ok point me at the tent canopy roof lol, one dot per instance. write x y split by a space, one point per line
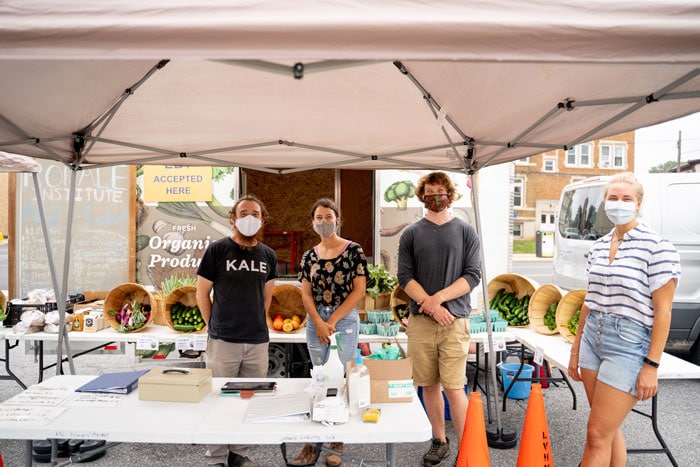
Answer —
401 84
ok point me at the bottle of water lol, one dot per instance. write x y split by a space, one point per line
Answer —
359 386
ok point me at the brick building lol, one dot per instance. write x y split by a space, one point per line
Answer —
538 180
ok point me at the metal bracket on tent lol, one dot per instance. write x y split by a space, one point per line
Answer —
298 70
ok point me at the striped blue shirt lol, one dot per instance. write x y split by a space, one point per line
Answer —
644 262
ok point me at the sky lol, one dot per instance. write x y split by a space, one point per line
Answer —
658 144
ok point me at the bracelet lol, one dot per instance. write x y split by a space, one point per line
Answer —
650 362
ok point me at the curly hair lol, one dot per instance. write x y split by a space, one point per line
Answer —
436 178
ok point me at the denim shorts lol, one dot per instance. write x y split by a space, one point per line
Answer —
614 347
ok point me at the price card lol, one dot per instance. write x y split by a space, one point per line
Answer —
191 342
147 343
499 345
539 356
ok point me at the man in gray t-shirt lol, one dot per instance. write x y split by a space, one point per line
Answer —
439 265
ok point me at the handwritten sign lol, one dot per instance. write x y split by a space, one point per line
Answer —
99 251
29 415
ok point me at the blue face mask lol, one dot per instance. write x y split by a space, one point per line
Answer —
621 212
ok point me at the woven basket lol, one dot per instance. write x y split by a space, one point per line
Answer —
399 298
3 303
128 292
158 309
521 285
187 295
543 297
568 305
286 301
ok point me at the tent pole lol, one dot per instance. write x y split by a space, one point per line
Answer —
60 298
498 436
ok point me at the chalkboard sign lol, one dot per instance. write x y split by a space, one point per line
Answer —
99 251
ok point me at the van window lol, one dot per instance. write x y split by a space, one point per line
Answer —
582 214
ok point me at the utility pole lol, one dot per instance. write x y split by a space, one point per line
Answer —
678 144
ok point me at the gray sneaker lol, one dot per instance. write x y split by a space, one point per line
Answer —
236 460
437 453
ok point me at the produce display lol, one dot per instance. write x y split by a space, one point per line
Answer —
280 323
511 308
550 317
186 318
133 315
572 324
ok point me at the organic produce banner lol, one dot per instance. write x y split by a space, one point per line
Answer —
100 242
171 236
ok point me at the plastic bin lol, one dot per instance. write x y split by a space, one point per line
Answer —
444 398
520 389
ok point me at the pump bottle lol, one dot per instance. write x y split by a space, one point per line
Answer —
333 369
358 386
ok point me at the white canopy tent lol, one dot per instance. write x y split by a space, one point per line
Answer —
288 86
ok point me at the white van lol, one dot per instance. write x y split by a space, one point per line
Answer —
671 207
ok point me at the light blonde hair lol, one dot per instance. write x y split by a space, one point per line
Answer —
629 178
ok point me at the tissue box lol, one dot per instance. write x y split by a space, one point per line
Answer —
390 380
169 384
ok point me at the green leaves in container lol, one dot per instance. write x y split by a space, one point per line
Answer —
550 317
379 280
572 324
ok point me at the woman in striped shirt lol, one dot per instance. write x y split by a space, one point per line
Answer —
624 322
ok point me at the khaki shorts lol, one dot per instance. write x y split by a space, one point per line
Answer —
439 353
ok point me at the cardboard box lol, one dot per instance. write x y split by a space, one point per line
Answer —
170 384
390 380
92 305
91 295
94 322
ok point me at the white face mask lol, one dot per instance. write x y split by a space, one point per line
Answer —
248 226
325 229
621 212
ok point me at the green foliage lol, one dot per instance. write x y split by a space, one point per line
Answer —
668 166
175 281
379 280
524 246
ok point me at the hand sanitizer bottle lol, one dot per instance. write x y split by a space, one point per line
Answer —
358 386
333 369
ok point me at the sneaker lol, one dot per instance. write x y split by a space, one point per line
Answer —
307 456
236 460
334 460
437 453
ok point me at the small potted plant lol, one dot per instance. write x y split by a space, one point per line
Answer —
380 284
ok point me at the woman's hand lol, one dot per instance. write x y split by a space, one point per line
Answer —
324 331
573 367
647 382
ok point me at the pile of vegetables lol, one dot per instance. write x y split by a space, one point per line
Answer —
572 324
399 192
132 316
510 308
550 317
186 318
175 281
379 280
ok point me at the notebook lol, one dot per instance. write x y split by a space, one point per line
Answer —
114 383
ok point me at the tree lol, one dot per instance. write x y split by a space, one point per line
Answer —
668 166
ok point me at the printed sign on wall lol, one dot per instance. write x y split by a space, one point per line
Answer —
176 183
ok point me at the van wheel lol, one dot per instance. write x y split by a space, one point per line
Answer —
300 361
695 353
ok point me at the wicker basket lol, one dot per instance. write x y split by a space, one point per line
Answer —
3 303
286 301
568 305
128 292
539 303
399 298
158 309
187 295
521 285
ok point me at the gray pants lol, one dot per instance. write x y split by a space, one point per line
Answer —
229 360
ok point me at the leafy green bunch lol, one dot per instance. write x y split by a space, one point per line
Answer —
379 280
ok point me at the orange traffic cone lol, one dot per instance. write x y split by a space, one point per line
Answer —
535 445
473 448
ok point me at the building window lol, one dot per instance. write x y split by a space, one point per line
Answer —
518 192
613 155
523 161
549 164
579 156
518 229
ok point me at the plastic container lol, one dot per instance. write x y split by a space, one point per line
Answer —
519 389
358 386
333 369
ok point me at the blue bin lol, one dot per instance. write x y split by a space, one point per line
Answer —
444 397
520 389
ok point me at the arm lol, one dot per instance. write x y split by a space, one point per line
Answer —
267 294
662 300
575 346
204 287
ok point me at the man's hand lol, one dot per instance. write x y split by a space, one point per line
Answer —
430 305
443 316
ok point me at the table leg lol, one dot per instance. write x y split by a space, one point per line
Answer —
655 426
390 454
10 375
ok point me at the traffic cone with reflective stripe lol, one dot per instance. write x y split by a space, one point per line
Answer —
473 448
535 445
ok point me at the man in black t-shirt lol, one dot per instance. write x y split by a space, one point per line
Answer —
241 271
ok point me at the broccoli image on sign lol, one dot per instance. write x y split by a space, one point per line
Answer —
399 192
